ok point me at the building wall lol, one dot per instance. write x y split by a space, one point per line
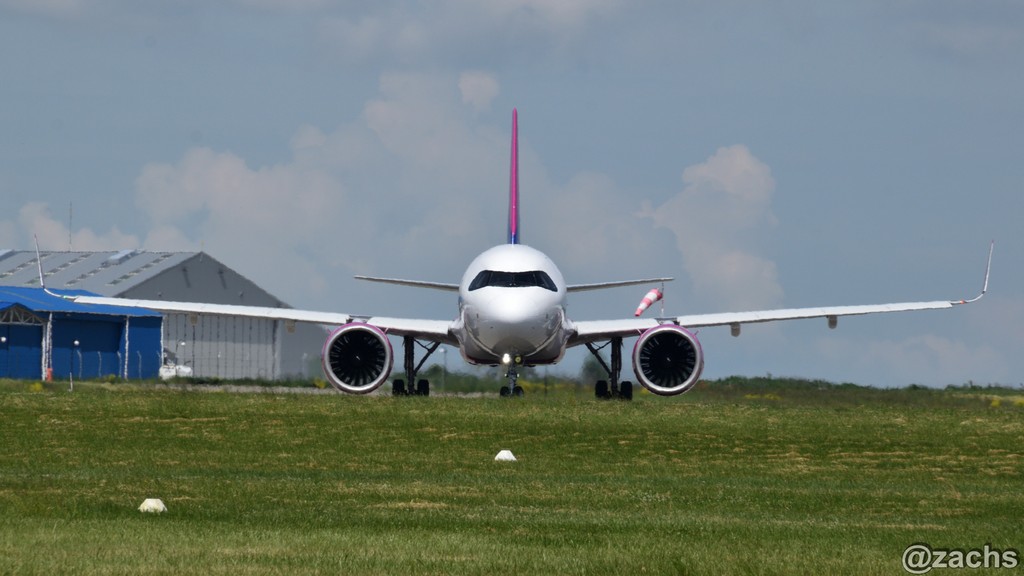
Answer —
202 278
21 356
229 347
107 346
39 331
144 353
223 348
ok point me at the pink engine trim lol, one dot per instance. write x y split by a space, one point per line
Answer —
663 390
356 389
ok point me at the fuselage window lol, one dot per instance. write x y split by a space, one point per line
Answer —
536 278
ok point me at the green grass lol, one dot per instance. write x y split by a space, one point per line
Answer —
739 477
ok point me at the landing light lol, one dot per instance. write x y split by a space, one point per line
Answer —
506 359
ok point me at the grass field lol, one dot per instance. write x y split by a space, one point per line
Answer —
744 477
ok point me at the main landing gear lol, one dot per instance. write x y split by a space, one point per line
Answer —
422 388
611 388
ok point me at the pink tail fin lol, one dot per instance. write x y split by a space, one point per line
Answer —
513 183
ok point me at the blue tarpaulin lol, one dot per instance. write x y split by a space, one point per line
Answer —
87 341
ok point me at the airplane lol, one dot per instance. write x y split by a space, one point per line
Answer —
512 312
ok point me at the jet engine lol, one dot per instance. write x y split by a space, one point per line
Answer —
667 360
357 358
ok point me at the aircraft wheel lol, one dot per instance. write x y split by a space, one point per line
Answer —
626 390
601 389
505 391
518 391
423 388
398 387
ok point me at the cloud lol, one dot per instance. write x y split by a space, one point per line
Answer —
396 35
248 216
52 8
977 40
589 227
289 5
717 219
977 33
478 89
565 14
165 237
352 40
8 234
999 316
414 186
308 137
384 194
417 175
921 359
34 219
414 118
223 188
459 30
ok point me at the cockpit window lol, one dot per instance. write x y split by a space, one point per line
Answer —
536 278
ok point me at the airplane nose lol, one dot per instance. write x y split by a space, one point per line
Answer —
510 315
514 324
515 308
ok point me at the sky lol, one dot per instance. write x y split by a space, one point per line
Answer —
765 155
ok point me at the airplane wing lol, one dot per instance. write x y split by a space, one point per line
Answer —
414 283
601 285
433 330
592 331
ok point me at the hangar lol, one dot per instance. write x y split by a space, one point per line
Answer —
215 347
42 334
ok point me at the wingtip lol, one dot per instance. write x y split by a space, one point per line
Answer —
988 269
988 266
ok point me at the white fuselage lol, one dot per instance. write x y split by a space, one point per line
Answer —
512 308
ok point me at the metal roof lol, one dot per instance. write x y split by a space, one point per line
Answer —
103 273
37 300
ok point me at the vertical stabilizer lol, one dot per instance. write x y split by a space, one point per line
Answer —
513 184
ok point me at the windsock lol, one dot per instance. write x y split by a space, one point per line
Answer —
653 296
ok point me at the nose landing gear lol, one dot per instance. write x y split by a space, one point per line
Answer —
512 375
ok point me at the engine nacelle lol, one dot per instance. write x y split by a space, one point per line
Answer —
357 358
667 360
